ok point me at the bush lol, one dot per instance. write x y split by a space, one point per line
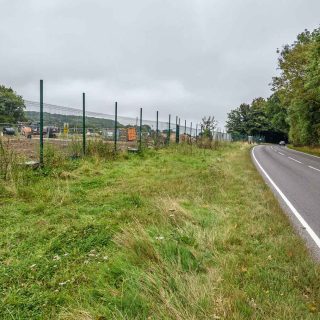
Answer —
208 143
100 148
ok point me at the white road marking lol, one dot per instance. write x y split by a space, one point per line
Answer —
312 234
282 153
314 168
294 160
308 154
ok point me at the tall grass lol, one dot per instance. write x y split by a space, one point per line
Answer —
7 160
181 233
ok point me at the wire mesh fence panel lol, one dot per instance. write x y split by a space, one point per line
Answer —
65 129
163 133
15 138
18 137
128 133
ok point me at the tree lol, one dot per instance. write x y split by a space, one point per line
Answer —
260 118
277 114
11 106
297 86
207 126
294 108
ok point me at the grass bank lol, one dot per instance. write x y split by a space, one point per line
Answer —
307 149
181 233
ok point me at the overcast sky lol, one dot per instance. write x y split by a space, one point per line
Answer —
185 57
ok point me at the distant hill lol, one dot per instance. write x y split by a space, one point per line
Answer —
58 120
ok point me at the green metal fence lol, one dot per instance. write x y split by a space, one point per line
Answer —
77 131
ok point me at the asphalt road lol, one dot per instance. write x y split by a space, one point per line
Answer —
294 177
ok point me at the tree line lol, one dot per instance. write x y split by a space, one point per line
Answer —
292 112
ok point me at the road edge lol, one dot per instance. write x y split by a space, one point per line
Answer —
308 154
301 226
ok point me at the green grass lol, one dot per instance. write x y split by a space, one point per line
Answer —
307 149
181 233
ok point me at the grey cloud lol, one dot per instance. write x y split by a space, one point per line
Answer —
186 57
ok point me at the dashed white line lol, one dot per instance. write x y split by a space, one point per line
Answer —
282 153
314 168
312 234
294 160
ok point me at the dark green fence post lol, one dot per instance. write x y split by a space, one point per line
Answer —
191 132
140 133
177 130
115 125
169 129
84 123
41 122
196 132
157 129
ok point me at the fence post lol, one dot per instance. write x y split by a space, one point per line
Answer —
140 131
115 125
185 127
157 129
177 130
196 132
169 131
41 122
84 123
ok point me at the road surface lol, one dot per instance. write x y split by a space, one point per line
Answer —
294 177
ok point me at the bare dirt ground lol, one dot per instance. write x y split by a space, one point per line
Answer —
29 148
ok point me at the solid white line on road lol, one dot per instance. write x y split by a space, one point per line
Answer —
294 160
312 234
308 154
314 168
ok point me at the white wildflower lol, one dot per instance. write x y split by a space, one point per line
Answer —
63 283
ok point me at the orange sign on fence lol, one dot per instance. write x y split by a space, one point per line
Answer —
132 134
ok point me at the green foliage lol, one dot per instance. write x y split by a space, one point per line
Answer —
11 106
298 87
294 107
277 114
207 126
261 117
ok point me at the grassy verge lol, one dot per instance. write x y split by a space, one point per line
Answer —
307 149
182 233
